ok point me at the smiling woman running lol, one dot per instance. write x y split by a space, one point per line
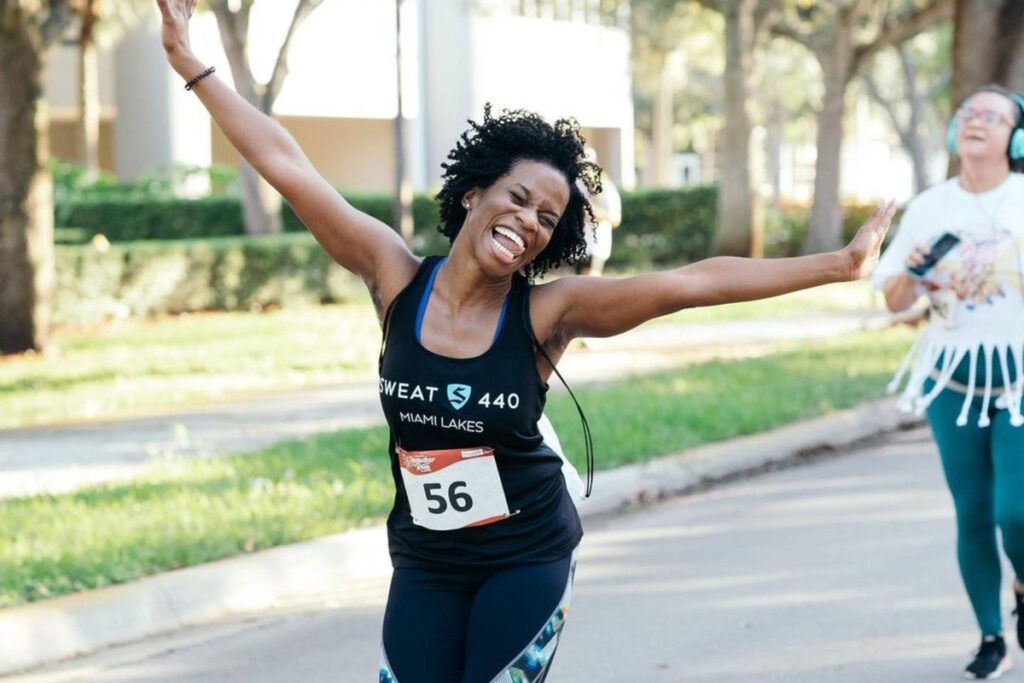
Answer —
483 531
966 371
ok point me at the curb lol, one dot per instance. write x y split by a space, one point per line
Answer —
673 475
65 627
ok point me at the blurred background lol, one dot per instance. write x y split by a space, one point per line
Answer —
746 127
145 271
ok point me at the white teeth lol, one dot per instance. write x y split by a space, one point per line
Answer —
501 248
502 230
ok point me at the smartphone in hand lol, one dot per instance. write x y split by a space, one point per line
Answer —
939 248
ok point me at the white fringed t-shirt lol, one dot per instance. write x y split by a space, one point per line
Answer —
976 293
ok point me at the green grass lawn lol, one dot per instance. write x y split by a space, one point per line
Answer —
134 366
196 511
138 366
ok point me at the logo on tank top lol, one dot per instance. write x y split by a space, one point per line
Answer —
458 395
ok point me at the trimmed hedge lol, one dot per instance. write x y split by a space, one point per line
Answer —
661 226
121 219
665 227
150 277
137 279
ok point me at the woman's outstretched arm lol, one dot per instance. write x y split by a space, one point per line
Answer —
355 240
601 307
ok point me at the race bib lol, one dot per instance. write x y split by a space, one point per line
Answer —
454 488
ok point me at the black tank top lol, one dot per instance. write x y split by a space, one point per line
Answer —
493 400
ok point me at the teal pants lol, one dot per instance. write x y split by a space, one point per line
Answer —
984 468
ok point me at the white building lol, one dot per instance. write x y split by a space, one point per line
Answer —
340 98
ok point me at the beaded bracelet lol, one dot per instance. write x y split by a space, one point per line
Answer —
191 84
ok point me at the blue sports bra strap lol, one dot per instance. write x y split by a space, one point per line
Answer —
425 296
588 441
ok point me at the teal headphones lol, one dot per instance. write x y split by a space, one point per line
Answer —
1015 150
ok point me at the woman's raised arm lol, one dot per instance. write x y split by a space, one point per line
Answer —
601 307
355 240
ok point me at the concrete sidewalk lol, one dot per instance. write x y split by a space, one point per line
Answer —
56 629
56 459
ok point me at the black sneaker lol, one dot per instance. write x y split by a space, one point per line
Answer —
990 661
1019 611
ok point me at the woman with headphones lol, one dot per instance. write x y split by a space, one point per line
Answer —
961 244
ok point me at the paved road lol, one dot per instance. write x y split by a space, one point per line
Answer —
56 459
840 571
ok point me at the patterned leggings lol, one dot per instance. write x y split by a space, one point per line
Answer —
497 626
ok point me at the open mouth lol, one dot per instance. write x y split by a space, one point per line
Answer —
507 242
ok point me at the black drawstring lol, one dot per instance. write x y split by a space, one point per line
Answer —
588 441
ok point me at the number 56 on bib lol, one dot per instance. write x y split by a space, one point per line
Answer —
454 488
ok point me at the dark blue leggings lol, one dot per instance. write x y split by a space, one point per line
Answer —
475 626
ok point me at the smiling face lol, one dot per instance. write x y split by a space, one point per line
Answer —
982 140
510 222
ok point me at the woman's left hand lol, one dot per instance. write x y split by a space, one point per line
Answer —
863 250
175 16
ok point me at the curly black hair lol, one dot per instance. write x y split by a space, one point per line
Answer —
488 150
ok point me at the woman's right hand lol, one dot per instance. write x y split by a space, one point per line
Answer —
901 290
175 15
916 255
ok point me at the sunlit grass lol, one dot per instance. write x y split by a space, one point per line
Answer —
137 366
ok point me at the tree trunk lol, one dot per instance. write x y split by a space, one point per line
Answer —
909 132
911 135
88 90
734 234
976 25
995 23
660 157
1009 49
915 148
773 152
1012 26
824 230
26 196
261 204
402 207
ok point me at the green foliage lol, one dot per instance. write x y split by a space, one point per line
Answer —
228 274
132 365
664 227
786 226
190 513
659 227
665 412
74 183
694 67
151 218
150 209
